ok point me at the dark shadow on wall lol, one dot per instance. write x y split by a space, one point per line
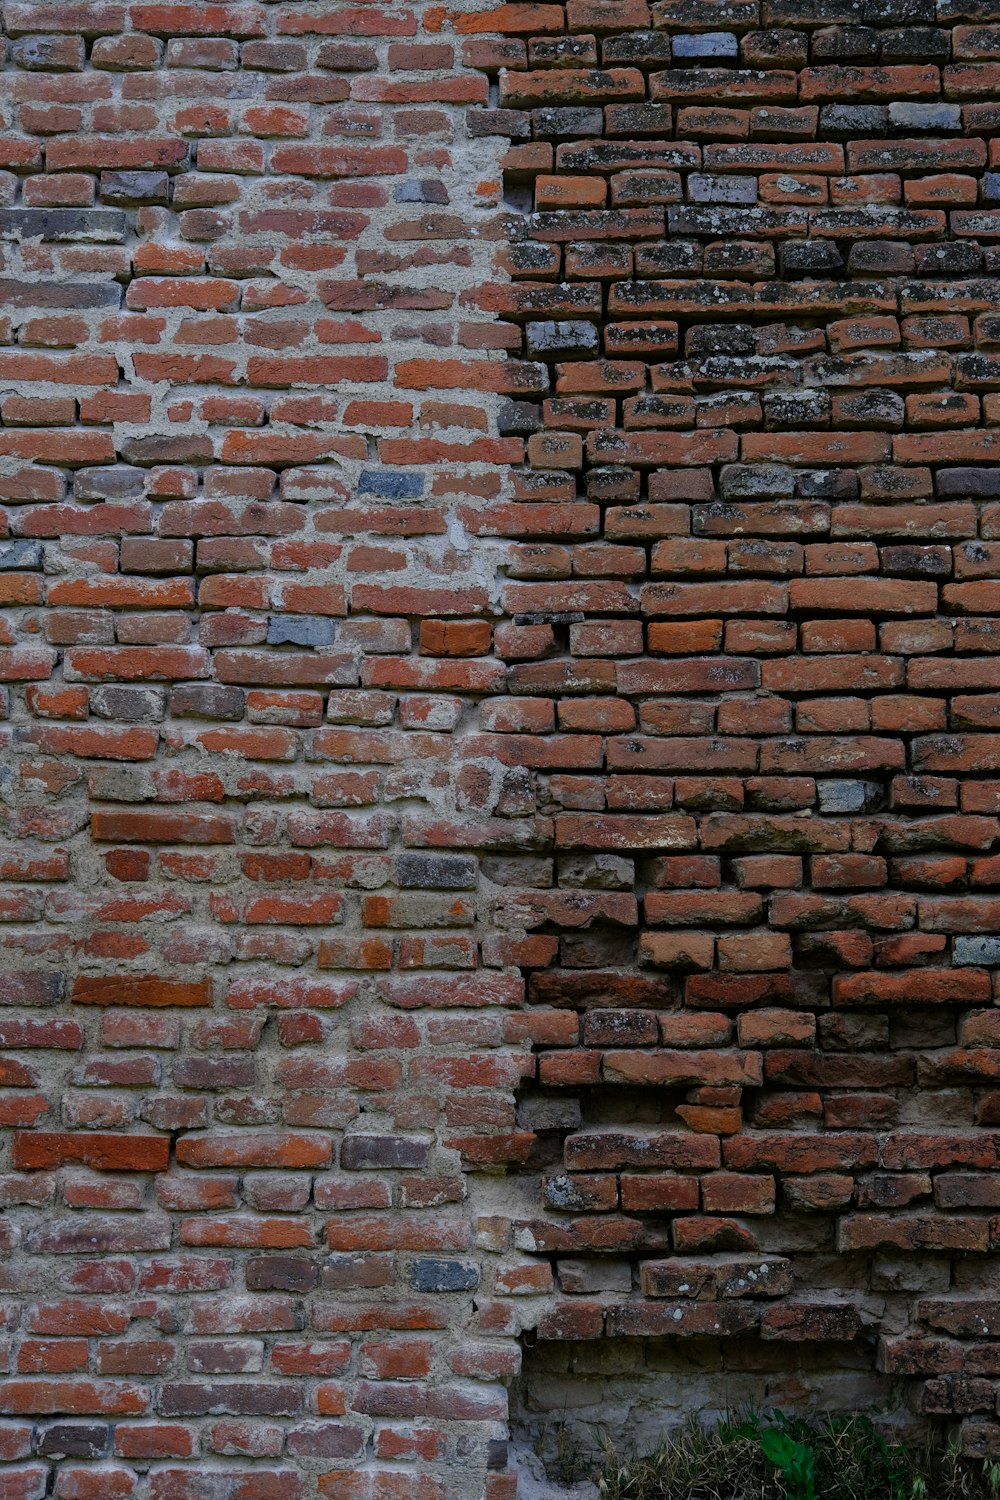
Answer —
739 596
574 1404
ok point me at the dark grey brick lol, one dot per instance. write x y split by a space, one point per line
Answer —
848 796
347 57
426 190
73 294
916 44
158 448
810 256
881 258
873 408
706 44
518 418
977 950
199 1398
113 482
827 484
101 225
704 187
981 483
565 1195
20 554
433 1275
569 121
845 44
853 120
514 123
39 987
360 1151
281 1273
496 1453
962 258
135 187
556 340
325 1440
454 872
753 481
391 484
812 12
134 705
933 117
635 48
206 700
905 12
39 54
300 630
809 407
915 561
73 1440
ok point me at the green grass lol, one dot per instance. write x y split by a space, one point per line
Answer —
784 1458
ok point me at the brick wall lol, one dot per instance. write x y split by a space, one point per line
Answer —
499 582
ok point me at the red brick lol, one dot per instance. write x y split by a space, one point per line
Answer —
650 748
105 1153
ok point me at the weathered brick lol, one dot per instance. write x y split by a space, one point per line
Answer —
534 702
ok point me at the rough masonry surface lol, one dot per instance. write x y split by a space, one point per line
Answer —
499 539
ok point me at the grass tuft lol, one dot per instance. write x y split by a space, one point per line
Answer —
775 1457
